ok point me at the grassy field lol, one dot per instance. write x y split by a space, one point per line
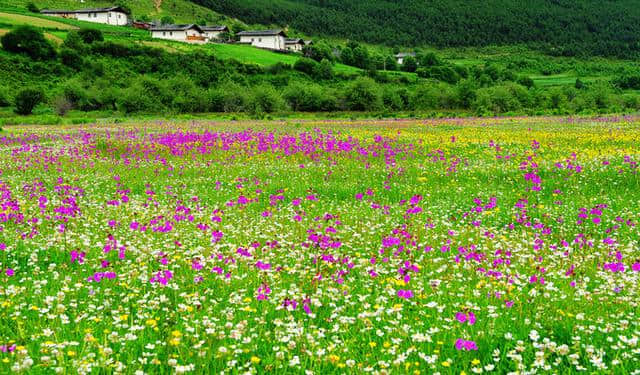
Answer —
333 246
37 21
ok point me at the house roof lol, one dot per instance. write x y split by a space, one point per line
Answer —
214 28
87 10
293 41
262 33
176 27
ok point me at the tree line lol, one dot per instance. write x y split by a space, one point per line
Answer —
559 27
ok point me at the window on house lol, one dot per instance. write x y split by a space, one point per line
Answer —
164 33
252 39
259 39
171 33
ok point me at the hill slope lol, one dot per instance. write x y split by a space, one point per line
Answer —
180 10
562 27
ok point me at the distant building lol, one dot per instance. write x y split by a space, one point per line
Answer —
181 33
294 45
213 32
403 55
110 16
271 39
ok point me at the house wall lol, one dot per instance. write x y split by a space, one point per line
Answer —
268 41
180 35
109 18
294 47
212 34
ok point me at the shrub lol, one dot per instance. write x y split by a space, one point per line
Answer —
323 70
363 95
27 99
526 82
167 20
62 105
433 96
392 100
89 35
409 64
71 58
265 99
73 41
30 41
305 65
309 98
31 7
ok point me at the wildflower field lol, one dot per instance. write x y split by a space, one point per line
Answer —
438 246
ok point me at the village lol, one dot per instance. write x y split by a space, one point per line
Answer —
273 39
276 40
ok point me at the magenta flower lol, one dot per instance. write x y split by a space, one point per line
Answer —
466 345
10 272
406 294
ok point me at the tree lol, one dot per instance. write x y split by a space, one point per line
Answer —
363 95
89 35
167 20
409 64
323 70
390 63
27 99
30 41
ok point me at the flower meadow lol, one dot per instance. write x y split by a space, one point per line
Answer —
408 246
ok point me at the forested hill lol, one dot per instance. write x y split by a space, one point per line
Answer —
561 27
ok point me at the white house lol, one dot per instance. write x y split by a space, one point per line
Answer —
181 33
294 45
213 32
271 39
403 55
110 16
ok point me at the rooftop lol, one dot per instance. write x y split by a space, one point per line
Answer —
87 10
262 33
176 27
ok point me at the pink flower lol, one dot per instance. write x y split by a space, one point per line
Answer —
636 267
10 272
465 345
406 294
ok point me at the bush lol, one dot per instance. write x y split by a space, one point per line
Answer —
62 105
409 64
309 98
323 70
526 82
30 41
433 96
89 35
73 41
363 95
31 7
265 99
500 99
167 20
305 65
71 58
27 99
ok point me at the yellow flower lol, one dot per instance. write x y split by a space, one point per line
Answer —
174 341
71 353
123 317
333 358
475 362
151 322
386 344
446 364
176 333
255 360
373 344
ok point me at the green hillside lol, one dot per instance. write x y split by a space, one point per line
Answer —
180 10
559 27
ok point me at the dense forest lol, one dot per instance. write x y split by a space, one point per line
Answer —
558 27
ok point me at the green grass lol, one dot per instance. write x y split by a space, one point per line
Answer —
51 312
